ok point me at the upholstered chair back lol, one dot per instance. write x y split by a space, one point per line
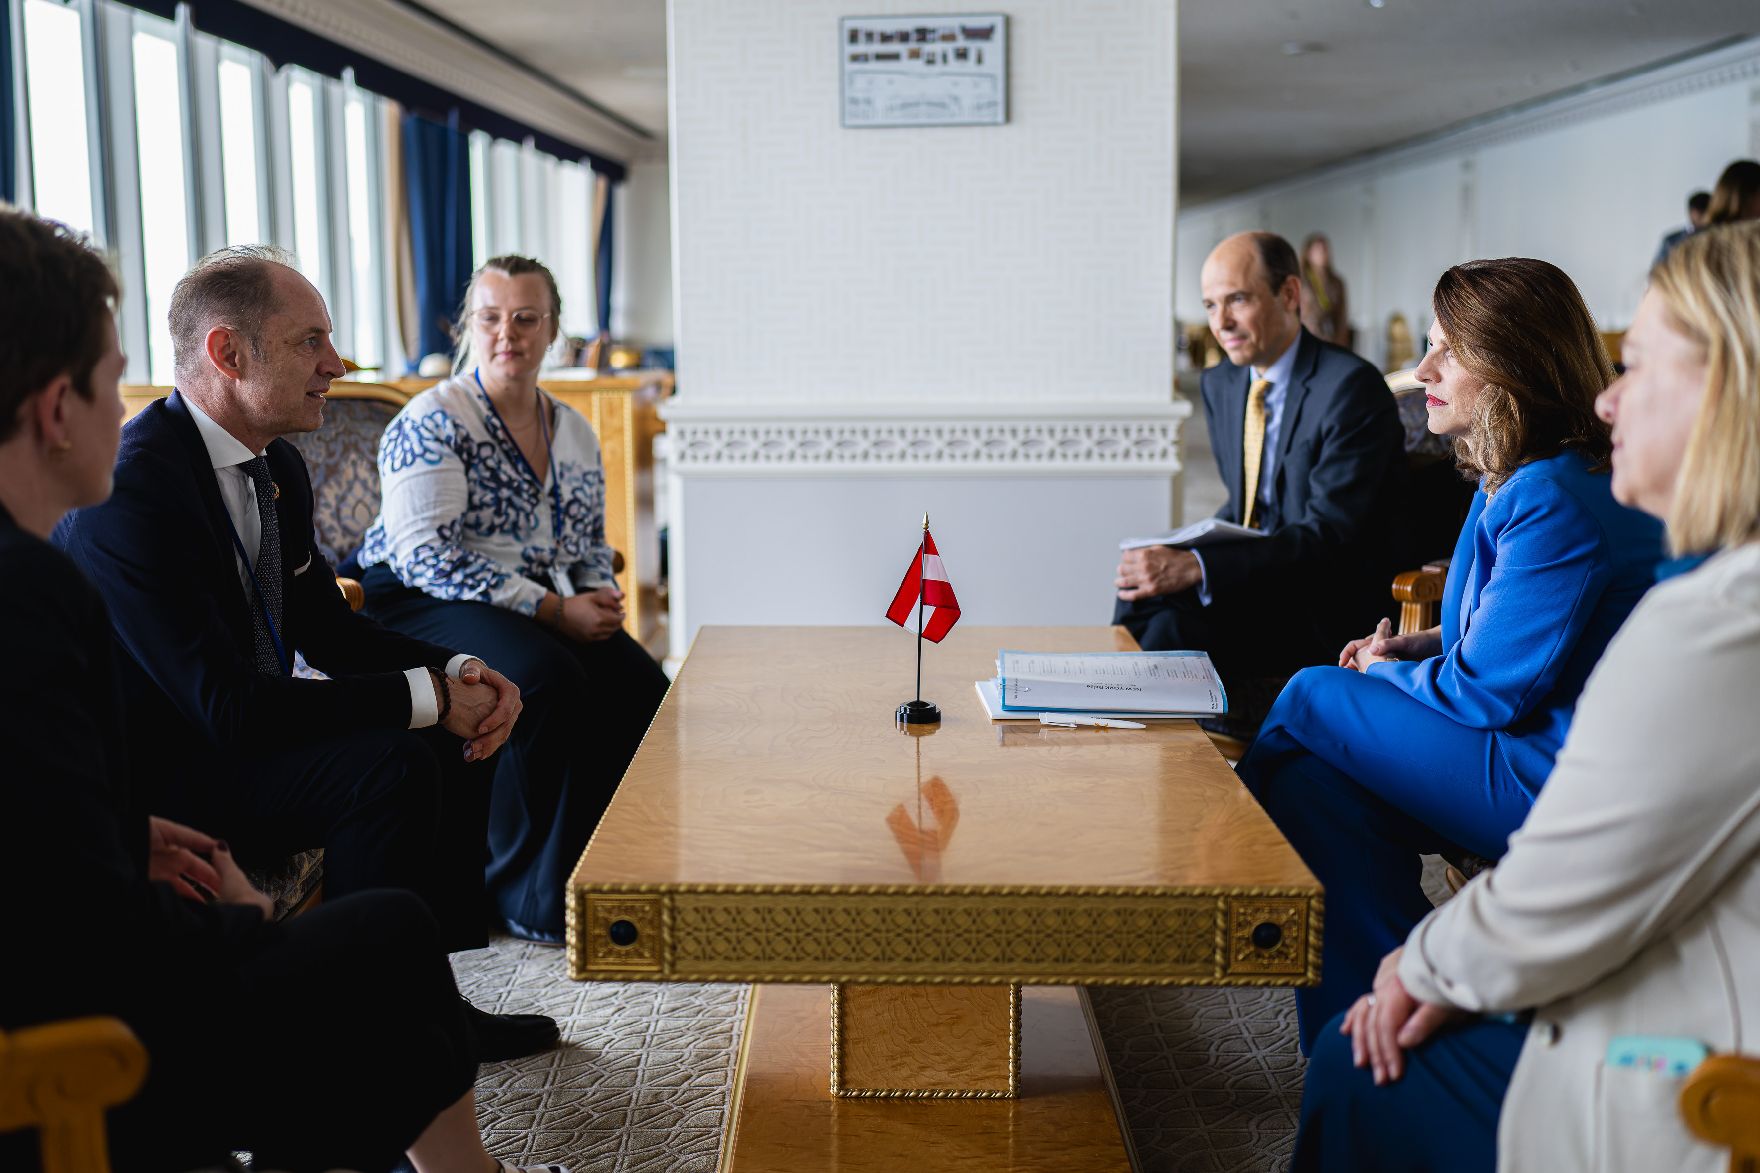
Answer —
343 458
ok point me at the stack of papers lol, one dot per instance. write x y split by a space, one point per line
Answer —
1209 532
1136 685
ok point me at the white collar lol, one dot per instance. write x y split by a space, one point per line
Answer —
1277 374
224 449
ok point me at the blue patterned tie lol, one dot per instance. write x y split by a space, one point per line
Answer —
268 569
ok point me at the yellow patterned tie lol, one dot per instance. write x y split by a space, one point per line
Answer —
1253 447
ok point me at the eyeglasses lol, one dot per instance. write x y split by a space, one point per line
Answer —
522 319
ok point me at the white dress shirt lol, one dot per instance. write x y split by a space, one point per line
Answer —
237 492
1277 374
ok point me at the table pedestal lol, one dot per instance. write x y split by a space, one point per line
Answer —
925 1042
785 1118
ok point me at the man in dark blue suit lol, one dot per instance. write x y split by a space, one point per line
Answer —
206 558
1309 445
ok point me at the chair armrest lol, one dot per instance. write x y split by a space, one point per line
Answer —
352 591
1419 595
617 562
1720 1103
59 1078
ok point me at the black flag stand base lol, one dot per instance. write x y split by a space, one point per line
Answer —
919 712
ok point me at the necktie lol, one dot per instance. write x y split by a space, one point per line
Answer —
268 569
1253 447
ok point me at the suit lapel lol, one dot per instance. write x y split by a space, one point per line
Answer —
219 525
1232 432
1307 357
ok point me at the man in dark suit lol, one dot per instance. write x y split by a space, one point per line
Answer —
1309 445
206 558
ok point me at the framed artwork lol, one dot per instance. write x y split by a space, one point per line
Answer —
924 70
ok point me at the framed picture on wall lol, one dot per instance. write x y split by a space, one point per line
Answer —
924 70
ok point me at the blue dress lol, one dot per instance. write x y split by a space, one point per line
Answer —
1362 772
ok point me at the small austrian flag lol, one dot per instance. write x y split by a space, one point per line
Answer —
927 580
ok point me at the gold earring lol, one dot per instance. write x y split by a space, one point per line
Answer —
61 448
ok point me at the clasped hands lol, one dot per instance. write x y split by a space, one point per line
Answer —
1157 570
1387 1023
1381 645
485 704
198 866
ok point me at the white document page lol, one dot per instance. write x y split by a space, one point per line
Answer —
1208 532
990 696
1126 682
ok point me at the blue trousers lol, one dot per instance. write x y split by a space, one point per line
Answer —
1440 1116
586 709
1362 779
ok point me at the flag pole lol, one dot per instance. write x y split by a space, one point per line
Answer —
922 590
919 711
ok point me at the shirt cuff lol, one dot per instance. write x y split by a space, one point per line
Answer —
1203 580
423 710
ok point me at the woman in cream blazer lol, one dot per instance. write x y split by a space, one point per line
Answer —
1628 906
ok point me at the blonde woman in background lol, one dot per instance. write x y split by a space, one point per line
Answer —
1324 309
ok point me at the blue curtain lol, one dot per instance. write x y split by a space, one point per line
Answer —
8 127
437 176
602 263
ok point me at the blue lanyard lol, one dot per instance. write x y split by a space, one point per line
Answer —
257 589
549 460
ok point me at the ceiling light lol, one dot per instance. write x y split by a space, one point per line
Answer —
1302 48
1377 3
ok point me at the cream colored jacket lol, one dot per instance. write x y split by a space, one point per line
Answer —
1629 902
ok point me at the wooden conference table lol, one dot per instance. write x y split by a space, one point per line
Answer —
916 908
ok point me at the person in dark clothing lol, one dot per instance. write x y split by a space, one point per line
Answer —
337 1039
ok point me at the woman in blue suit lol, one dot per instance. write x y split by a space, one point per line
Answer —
1442 738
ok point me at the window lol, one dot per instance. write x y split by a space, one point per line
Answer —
303 121
163 142
364 238
55 90
159 123
239 167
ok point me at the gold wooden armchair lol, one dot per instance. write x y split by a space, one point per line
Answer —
59 1078
1720 1103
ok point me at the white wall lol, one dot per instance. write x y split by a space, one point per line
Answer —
641 294
1590 182
972 321
1025 261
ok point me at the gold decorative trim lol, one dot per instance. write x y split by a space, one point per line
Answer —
643 952
730 1126
1267 936
870 1093
957 936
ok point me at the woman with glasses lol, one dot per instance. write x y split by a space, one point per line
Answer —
492 530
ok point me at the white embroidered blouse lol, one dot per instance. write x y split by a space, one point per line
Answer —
464 517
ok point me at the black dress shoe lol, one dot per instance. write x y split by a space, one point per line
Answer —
509 1036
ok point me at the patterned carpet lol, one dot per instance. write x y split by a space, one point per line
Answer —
1210 1079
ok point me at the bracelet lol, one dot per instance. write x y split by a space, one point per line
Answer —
555 611
442 686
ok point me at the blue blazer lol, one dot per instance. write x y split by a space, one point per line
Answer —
1544 573
160 553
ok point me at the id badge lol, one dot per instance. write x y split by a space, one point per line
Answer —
1657 1054
559 582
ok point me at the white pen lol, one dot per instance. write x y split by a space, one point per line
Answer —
1071 720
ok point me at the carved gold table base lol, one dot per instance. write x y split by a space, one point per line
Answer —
925 1042
785 1118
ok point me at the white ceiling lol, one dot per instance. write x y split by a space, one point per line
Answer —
1249 113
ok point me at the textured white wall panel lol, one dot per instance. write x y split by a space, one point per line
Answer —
1025 262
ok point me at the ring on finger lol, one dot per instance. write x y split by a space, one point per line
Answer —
1370 999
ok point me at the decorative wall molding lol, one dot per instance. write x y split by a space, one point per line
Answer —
1720 67
401 38
1134 439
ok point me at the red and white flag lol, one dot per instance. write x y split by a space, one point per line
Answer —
928 578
